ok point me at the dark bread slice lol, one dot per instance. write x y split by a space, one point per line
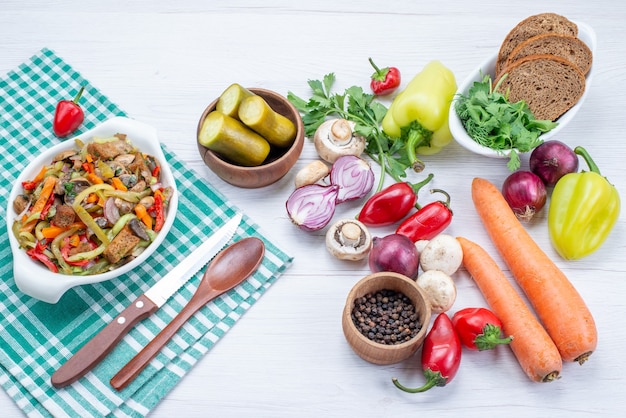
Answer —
565 46
550 85
533 26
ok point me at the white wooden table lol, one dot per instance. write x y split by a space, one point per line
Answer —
164 61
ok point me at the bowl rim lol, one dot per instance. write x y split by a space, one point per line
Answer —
36 280
260 91
349 306
585 33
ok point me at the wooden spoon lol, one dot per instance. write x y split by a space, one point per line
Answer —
229 268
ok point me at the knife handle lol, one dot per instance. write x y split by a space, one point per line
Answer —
132 369
102 343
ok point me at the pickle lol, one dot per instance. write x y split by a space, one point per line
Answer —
256 114
232 140
228 102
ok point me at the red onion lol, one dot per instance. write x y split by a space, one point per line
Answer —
525 193
111 211
552 160
353 175
311 207
395 253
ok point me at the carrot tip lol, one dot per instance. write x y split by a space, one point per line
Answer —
583 357
552 376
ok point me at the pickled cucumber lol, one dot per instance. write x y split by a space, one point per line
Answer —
229 100
232 140
256 114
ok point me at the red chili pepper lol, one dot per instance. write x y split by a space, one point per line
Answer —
391 204
156 171
68 116
441 355
429 221
65 251
159 211
479 328
37 253
384 81
30 185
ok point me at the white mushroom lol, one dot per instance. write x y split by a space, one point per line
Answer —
312 173
440 289
421 244
336 137
442 253
348 239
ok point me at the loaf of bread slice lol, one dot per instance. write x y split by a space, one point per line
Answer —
565 46
550 85
533 26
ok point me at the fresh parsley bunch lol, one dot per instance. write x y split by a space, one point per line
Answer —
359 107
492 121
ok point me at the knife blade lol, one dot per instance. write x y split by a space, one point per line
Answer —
101 344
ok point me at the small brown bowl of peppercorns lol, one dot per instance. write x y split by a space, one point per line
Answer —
386 317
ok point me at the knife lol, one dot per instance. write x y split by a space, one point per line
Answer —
107 338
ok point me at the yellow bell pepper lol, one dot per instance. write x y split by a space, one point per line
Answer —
419 113
583 210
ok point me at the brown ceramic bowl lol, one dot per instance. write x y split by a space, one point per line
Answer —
277 164
375 352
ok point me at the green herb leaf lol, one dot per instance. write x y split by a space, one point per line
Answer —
359 107
492 121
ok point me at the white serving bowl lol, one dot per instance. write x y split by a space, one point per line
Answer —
32 277
585 34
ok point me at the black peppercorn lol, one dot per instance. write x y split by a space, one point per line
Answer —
386 317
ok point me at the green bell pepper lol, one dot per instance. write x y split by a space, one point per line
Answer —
419 113
583 210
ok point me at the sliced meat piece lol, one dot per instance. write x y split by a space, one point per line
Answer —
20 203
121 245
64 216
109 150
82 247
140 167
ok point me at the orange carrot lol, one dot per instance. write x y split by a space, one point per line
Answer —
74 240
52 231
39 177
94 179
556 301
142 214
117 183
92 198
40 203
534 349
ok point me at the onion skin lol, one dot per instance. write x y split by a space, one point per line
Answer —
525 193
552 160
395 253
311 207
353 175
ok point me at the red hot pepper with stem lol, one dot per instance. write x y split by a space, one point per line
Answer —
441 355
384 81
68 116
429 221
479 328
391 204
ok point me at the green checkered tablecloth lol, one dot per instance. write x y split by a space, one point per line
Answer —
37 337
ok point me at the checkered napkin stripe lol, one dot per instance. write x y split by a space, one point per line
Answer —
38 337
